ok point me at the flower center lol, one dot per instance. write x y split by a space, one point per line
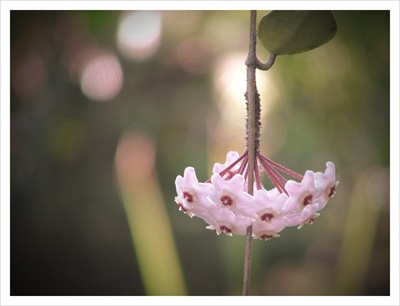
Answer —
188 197
307 200
309 220
267 217
265 236
226 200
332 191
224 229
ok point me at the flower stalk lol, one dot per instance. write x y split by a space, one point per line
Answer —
253 133
253 127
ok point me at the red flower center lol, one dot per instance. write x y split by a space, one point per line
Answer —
226 200
307 200
188 197
225 229
332 191
267 217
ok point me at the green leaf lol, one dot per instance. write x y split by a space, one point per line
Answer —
290 32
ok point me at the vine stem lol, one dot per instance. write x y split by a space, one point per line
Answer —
251 141
253 131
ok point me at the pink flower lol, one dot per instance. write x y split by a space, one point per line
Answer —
301 194
265 206
224 220
326 184
229 193
302 204
223 203
270 218
303 217
192 196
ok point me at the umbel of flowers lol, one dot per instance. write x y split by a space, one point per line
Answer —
225 205
234 199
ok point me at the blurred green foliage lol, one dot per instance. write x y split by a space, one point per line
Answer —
69 231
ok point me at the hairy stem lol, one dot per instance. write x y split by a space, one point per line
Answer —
253 127
251 93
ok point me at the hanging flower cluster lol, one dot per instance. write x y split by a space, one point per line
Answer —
225 205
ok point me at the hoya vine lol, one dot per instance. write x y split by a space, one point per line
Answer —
234 201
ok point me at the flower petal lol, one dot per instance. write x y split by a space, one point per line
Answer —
326 185
231 156
229 193
300 194
223 220
192 196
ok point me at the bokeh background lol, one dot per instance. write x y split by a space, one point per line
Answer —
108 107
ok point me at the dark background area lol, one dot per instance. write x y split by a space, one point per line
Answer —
72 218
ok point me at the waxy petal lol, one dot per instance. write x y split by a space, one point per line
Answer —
229 193
192 196
223 220
301 194
302 217
231 156
267 230
326 183
264 206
